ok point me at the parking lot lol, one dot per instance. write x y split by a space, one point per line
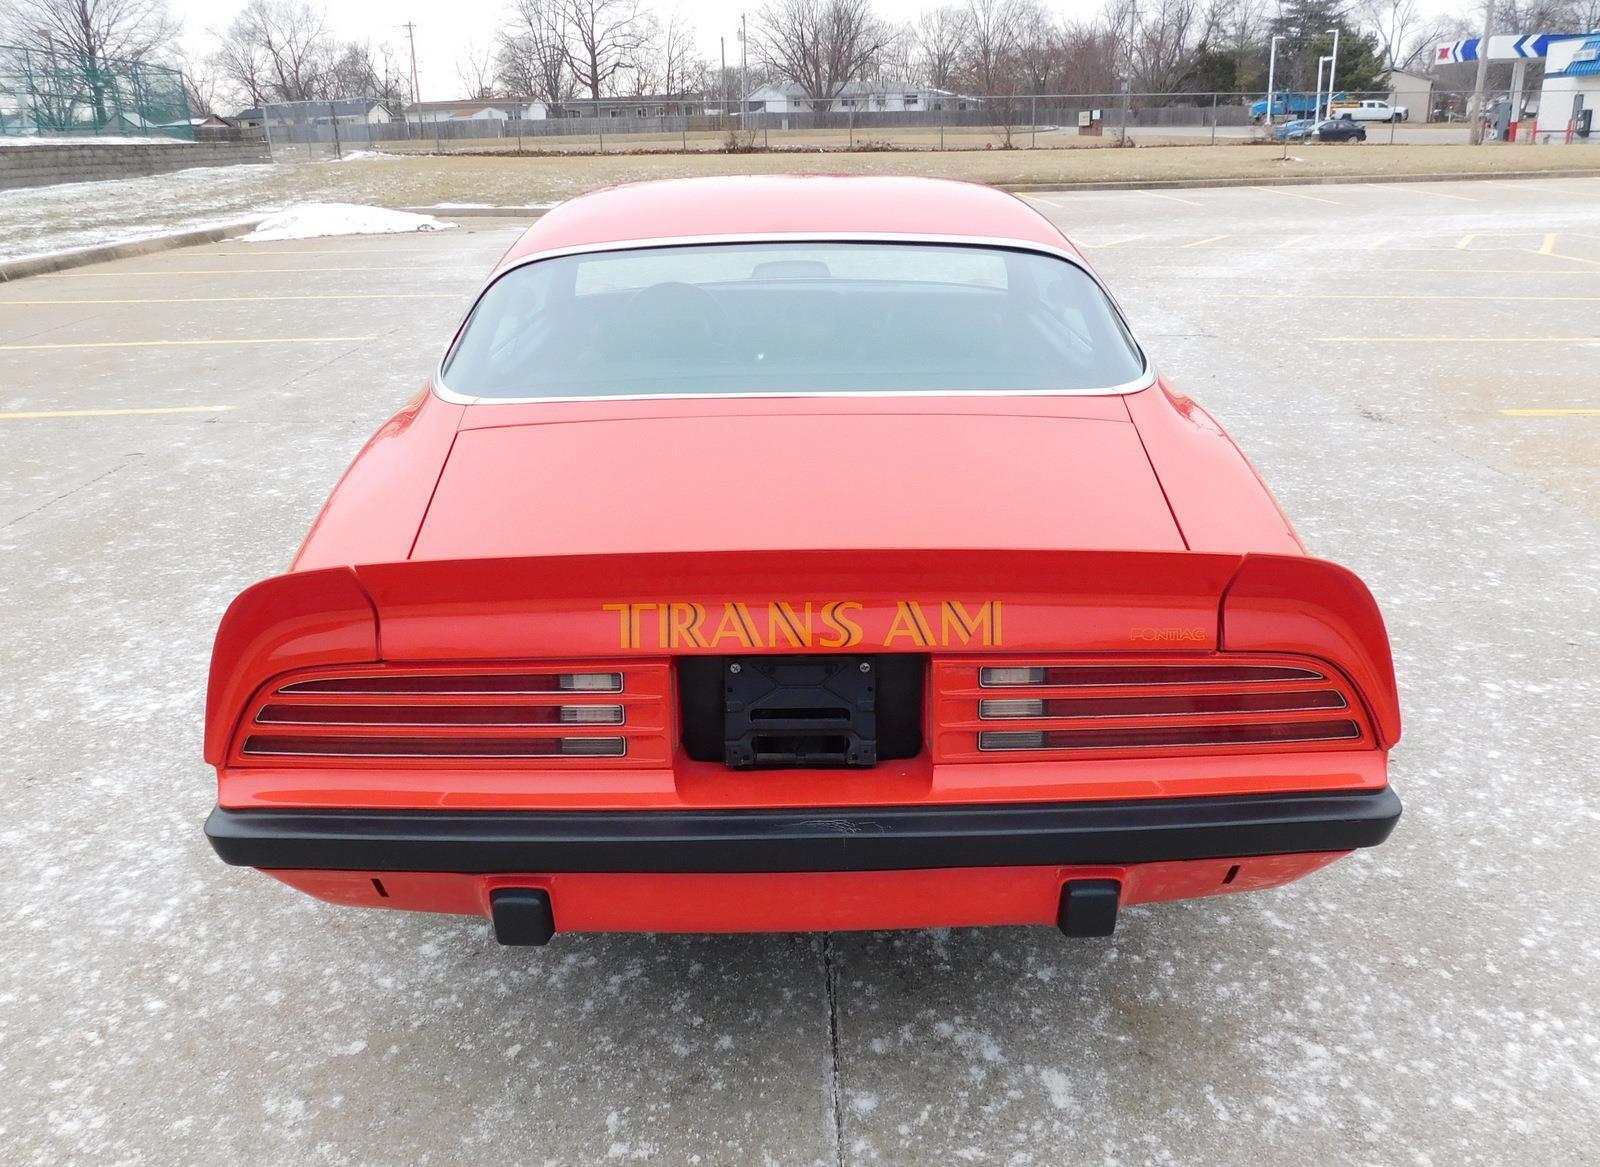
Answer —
1414 368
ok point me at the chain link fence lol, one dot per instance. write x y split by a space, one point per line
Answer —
322 130
57 92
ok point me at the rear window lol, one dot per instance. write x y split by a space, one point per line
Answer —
791 318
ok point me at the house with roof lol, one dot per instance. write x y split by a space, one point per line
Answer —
643 105
1571 92
500 109
860 97
1413 91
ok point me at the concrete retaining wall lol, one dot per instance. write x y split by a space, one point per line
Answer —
90 161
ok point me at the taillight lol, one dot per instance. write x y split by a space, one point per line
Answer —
1151 706
509 715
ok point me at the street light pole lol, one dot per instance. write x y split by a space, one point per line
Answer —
1333 63
1272 70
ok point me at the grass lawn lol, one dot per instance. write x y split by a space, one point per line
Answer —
518 180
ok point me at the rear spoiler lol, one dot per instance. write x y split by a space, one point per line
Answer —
943 601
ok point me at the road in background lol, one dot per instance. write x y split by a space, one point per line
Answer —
1412 368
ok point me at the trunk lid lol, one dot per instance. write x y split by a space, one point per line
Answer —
798 476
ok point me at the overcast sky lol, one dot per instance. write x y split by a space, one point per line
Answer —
446 30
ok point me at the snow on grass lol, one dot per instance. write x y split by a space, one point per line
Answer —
316 220
93 140
361 156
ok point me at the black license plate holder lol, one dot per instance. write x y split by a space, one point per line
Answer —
797 712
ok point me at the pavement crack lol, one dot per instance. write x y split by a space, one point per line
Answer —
50 502
830 984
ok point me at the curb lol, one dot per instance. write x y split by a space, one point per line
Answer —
33 265
1287 180
480 212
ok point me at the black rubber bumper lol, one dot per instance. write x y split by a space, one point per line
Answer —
855 839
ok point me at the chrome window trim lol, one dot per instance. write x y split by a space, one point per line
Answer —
1146 378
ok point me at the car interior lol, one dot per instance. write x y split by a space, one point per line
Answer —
775 319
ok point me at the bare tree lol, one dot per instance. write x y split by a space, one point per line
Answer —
1403 30
359 72
898 62
1041 56
941 37
603 39
1090 55
531 57
89 33
280 50
994 34
677 54
820 45
475 69
1165 40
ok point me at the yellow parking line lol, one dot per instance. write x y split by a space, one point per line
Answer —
1203 242
1410 189
1466 339
1395 296
1107 242
244 299
1297 195
249 271
1377 244
112 412
1461 244
1559 255
1548 246
1551 412
186 343
1155 194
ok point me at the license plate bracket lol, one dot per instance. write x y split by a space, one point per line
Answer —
796 712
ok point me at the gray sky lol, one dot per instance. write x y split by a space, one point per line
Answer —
446 30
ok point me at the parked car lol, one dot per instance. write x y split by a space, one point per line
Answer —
1341 129
1370 111
799 553
1296 131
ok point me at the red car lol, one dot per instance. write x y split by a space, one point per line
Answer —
798 553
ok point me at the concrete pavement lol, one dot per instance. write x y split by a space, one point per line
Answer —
1396 361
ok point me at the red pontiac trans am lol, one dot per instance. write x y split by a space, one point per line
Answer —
798 553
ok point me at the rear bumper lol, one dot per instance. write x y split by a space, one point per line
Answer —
1131 831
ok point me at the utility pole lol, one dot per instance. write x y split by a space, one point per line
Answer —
411 34
1476 112
1127 79
744 75
722 47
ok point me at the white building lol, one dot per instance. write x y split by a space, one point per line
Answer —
500 109
859 97
1414 91
1570 99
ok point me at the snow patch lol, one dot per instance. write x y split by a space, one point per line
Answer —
317 220
91 140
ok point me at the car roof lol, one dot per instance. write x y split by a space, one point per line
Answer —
786 204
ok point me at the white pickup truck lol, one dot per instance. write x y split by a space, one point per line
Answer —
1370 111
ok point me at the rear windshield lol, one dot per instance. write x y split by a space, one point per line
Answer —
791 318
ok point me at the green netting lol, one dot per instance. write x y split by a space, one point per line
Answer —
60 91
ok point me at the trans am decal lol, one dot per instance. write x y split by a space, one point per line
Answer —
805 624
